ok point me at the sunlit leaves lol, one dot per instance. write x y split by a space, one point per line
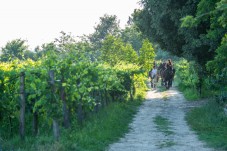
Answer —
147 54
187 73
218 66
188 21
84 82
114 50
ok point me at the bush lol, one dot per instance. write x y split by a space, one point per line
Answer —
187 74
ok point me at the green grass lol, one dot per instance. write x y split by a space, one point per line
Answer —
190 94
96 134
210 123
165 144
163 125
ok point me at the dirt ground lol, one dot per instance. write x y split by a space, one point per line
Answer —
160 125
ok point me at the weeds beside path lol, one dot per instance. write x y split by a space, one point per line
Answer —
209 121
160 125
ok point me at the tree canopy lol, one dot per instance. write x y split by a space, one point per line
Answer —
190 28
14 49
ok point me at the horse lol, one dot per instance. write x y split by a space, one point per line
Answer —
161 70
167 74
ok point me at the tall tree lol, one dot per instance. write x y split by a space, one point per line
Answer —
14 49
65 42
131 34
108 25
29 55
147 55
159 20
214 12
114 50
209 19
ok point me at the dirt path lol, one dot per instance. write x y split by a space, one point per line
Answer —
160 125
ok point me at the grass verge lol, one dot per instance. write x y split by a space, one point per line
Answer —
210 123
191 94
166 144
96 134
163 125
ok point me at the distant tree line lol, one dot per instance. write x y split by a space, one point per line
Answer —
107 31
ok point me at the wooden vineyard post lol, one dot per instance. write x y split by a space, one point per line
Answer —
55 123
80 114
35 123
105 95
22 106
131 89
56 130
65 107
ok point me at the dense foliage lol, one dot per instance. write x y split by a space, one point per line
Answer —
162 22
14 49
83 82
67 81
194 29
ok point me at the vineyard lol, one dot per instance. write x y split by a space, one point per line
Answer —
64 87
59 85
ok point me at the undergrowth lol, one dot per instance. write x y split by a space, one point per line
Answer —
96 133
210 123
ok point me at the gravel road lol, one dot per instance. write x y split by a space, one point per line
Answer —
147 132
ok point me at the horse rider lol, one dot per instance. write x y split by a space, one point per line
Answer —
169 66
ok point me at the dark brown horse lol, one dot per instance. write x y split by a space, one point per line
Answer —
161 70
167 74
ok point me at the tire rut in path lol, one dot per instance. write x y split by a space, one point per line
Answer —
145 134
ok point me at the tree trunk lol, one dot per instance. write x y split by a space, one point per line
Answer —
22 105
103 98
66 115
10 126
106 99
131 95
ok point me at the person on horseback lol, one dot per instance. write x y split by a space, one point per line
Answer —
169 64
161 69
171 70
